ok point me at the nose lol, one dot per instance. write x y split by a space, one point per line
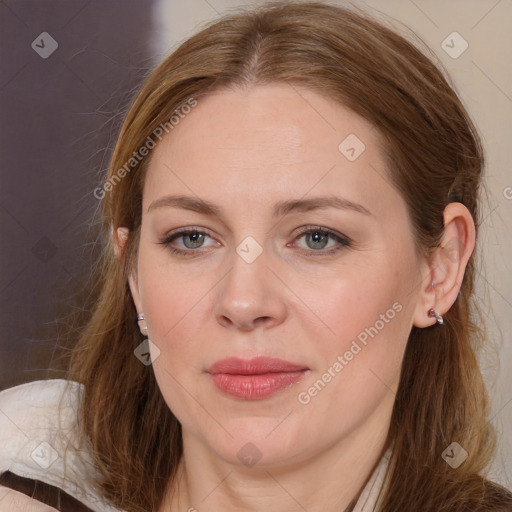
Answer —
250 296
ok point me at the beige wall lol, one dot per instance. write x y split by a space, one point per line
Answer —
483 77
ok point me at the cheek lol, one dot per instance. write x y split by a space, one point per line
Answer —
357 303
368 317
177 305
359 367
174 309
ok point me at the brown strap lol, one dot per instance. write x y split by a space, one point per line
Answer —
43 492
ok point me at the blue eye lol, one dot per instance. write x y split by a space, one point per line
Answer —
196 239
317 240
191 236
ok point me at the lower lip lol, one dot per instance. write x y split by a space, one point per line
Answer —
255 387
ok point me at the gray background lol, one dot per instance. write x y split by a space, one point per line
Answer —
59 115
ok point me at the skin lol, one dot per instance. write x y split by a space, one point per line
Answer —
245 150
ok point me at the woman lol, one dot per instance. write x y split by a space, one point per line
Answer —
284 320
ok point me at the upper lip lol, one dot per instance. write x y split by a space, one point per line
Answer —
254 366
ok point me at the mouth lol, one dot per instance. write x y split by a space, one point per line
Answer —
254 379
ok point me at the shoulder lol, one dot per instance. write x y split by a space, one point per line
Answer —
33 418
42 393
39 439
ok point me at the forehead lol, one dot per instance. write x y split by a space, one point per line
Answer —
250 146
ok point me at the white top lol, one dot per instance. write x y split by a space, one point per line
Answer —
38 421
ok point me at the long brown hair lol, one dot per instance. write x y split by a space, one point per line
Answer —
434 156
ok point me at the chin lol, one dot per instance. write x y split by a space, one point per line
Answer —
257 442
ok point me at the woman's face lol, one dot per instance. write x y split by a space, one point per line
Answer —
251 284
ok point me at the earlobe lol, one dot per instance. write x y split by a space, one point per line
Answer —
446 266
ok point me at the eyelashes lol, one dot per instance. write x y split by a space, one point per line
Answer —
312 232
316 234
182 233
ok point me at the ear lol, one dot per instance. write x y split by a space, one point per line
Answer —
119 239
446 266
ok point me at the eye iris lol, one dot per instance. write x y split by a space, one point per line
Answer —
197 238
315 236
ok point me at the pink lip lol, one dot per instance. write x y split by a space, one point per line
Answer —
253 379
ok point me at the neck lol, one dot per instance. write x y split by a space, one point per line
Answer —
332 480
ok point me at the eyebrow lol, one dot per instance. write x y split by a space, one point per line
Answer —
280 209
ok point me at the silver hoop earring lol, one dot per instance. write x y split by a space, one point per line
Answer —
434 314
143 328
